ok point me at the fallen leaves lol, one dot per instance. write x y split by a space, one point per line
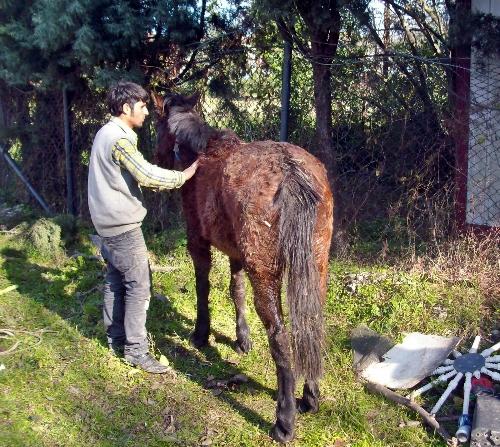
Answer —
164 361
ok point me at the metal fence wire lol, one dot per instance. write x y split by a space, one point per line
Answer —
394 149
483 167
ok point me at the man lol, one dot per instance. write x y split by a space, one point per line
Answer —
116 171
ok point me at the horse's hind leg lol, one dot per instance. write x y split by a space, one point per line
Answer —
268 306
237 291
200 253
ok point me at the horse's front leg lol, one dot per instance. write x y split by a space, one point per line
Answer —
200 253
237 291
268 305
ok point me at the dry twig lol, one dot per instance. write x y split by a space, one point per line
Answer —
10 333
8 289
428 419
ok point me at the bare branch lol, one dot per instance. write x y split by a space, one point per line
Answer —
428 419
418 18
201 32
289 33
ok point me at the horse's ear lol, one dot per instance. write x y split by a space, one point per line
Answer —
193 99
158 102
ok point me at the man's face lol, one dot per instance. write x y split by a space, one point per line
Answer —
136 115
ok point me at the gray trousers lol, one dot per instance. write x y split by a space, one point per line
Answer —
127 290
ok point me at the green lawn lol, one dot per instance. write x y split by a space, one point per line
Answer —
60 386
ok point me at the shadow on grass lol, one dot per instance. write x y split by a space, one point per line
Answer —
199 364
46 286
92 409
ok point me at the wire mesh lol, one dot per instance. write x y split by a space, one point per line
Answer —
33 133
394 153
483 176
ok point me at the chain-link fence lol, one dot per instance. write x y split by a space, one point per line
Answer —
483 165
394 158
33 133
394 151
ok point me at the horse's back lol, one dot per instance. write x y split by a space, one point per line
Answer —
258 167
251 176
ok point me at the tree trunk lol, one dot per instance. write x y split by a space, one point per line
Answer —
323 147
323 22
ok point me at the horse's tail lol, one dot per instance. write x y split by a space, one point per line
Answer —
297 201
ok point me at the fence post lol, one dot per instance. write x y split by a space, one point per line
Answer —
3 120
285 89
70 196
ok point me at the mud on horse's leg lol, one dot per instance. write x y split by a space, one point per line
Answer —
237 291
200 253
268 306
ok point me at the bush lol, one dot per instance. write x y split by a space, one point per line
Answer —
45 237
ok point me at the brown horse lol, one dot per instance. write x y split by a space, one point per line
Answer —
268 206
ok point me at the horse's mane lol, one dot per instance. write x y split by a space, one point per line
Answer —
190 130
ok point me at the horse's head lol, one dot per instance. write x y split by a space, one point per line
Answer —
176 102
174 112
165 141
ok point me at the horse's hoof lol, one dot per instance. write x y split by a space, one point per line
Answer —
280 434
243 346
198 341
306 406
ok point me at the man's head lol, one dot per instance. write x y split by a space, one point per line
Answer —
127 101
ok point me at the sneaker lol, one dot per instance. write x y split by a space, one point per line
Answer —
147 363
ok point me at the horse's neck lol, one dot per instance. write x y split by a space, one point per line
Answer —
186 156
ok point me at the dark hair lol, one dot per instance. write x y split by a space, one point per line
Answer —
124 93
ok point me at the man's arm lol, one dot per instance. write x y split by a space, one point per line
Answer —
126 155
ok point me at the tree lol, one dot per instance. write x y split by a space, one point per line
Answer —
48 42
314 29
83 46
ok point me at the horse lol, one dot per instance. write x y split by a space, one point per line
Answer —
268 206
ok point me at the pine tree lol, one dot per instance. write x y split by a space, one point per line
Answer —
49 42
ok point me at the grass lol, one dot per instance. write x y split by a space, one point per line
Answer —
61 387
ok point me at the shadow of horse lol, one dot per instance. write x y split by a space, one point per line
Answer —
187 361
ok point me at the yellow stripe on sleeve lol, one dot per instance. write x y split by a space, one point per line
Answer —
126 155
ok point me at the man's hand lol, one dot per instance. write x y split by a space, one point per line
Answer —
189 172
